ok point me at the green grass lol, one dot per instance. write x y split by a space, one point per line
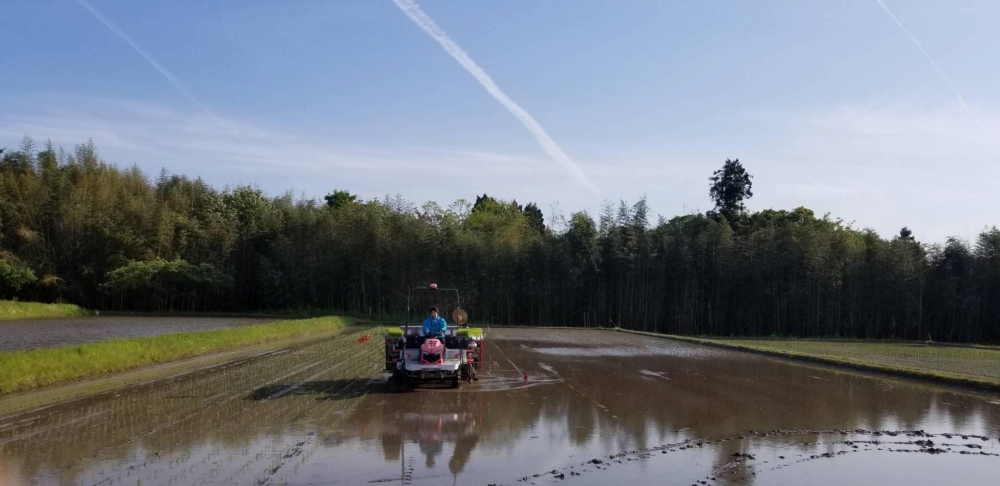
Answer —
977 367
24 310
21 370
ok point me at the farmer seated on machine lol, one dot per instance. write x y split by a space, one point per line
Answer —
435 325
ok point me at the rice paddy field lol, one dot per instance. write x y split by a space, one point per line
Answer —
972 365
25 369
552 407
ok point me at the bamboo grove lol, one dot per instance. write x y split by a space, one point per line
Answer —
76 229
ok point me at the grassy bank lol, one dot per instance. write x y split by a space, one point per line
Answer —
24 310
976 367
21 370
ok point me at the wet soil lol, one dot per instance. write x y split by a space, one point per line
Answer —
597 407
62 331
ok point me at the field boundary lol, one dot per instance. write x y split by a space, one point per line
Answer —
16 310
928 376
851 341
35 368
34 399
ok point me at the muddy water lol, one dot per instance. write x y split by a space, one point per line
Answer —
44 332
597 407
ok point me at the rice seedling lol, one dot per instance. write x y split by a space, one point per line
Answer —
977 366
21 370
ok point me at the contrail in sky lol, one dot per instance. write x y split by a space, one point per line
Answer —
149 58
417 15
937 68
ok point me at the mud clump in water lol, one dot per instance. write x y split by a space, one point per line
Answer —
740 460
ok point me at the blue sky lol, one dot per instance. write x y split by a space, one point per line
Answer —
830 105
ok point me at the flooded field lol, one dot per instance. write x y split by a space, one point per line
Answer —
597 407
62 331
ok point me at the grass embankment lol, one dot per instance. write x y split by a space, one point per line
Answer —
21 370
976 367
25 310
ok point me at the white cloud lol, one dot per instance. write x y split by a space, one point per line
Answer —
235 151
160 68
427 24
884 167
927 55
881 166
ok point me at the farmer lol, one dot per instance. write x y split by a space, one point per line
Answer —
435 325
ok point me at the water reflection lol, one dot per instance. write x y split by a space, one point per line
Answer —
311 417
623 403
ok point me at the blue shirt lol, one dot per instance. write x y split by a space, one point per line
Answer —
435 326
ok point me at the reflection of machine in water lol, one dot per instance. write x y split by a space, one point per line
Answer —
456 421
433 430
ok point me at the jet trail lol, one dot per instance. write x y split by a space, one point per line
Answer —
417 15
149 58
937 68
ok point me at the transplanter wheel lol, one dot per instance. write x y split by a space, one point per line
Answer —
455 383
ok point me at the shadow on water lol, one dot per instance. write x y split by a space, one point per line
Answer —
342 389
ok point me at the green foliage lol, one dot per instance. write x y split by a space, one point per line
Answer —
14 276
20 370
110 238
469 332
535 218
159 279
24 310
485 203
339 198
731 185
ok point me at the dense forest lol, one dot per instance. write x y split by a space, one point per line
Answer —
76 229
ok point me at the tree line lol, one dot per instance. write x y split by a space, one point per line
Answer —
74 228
